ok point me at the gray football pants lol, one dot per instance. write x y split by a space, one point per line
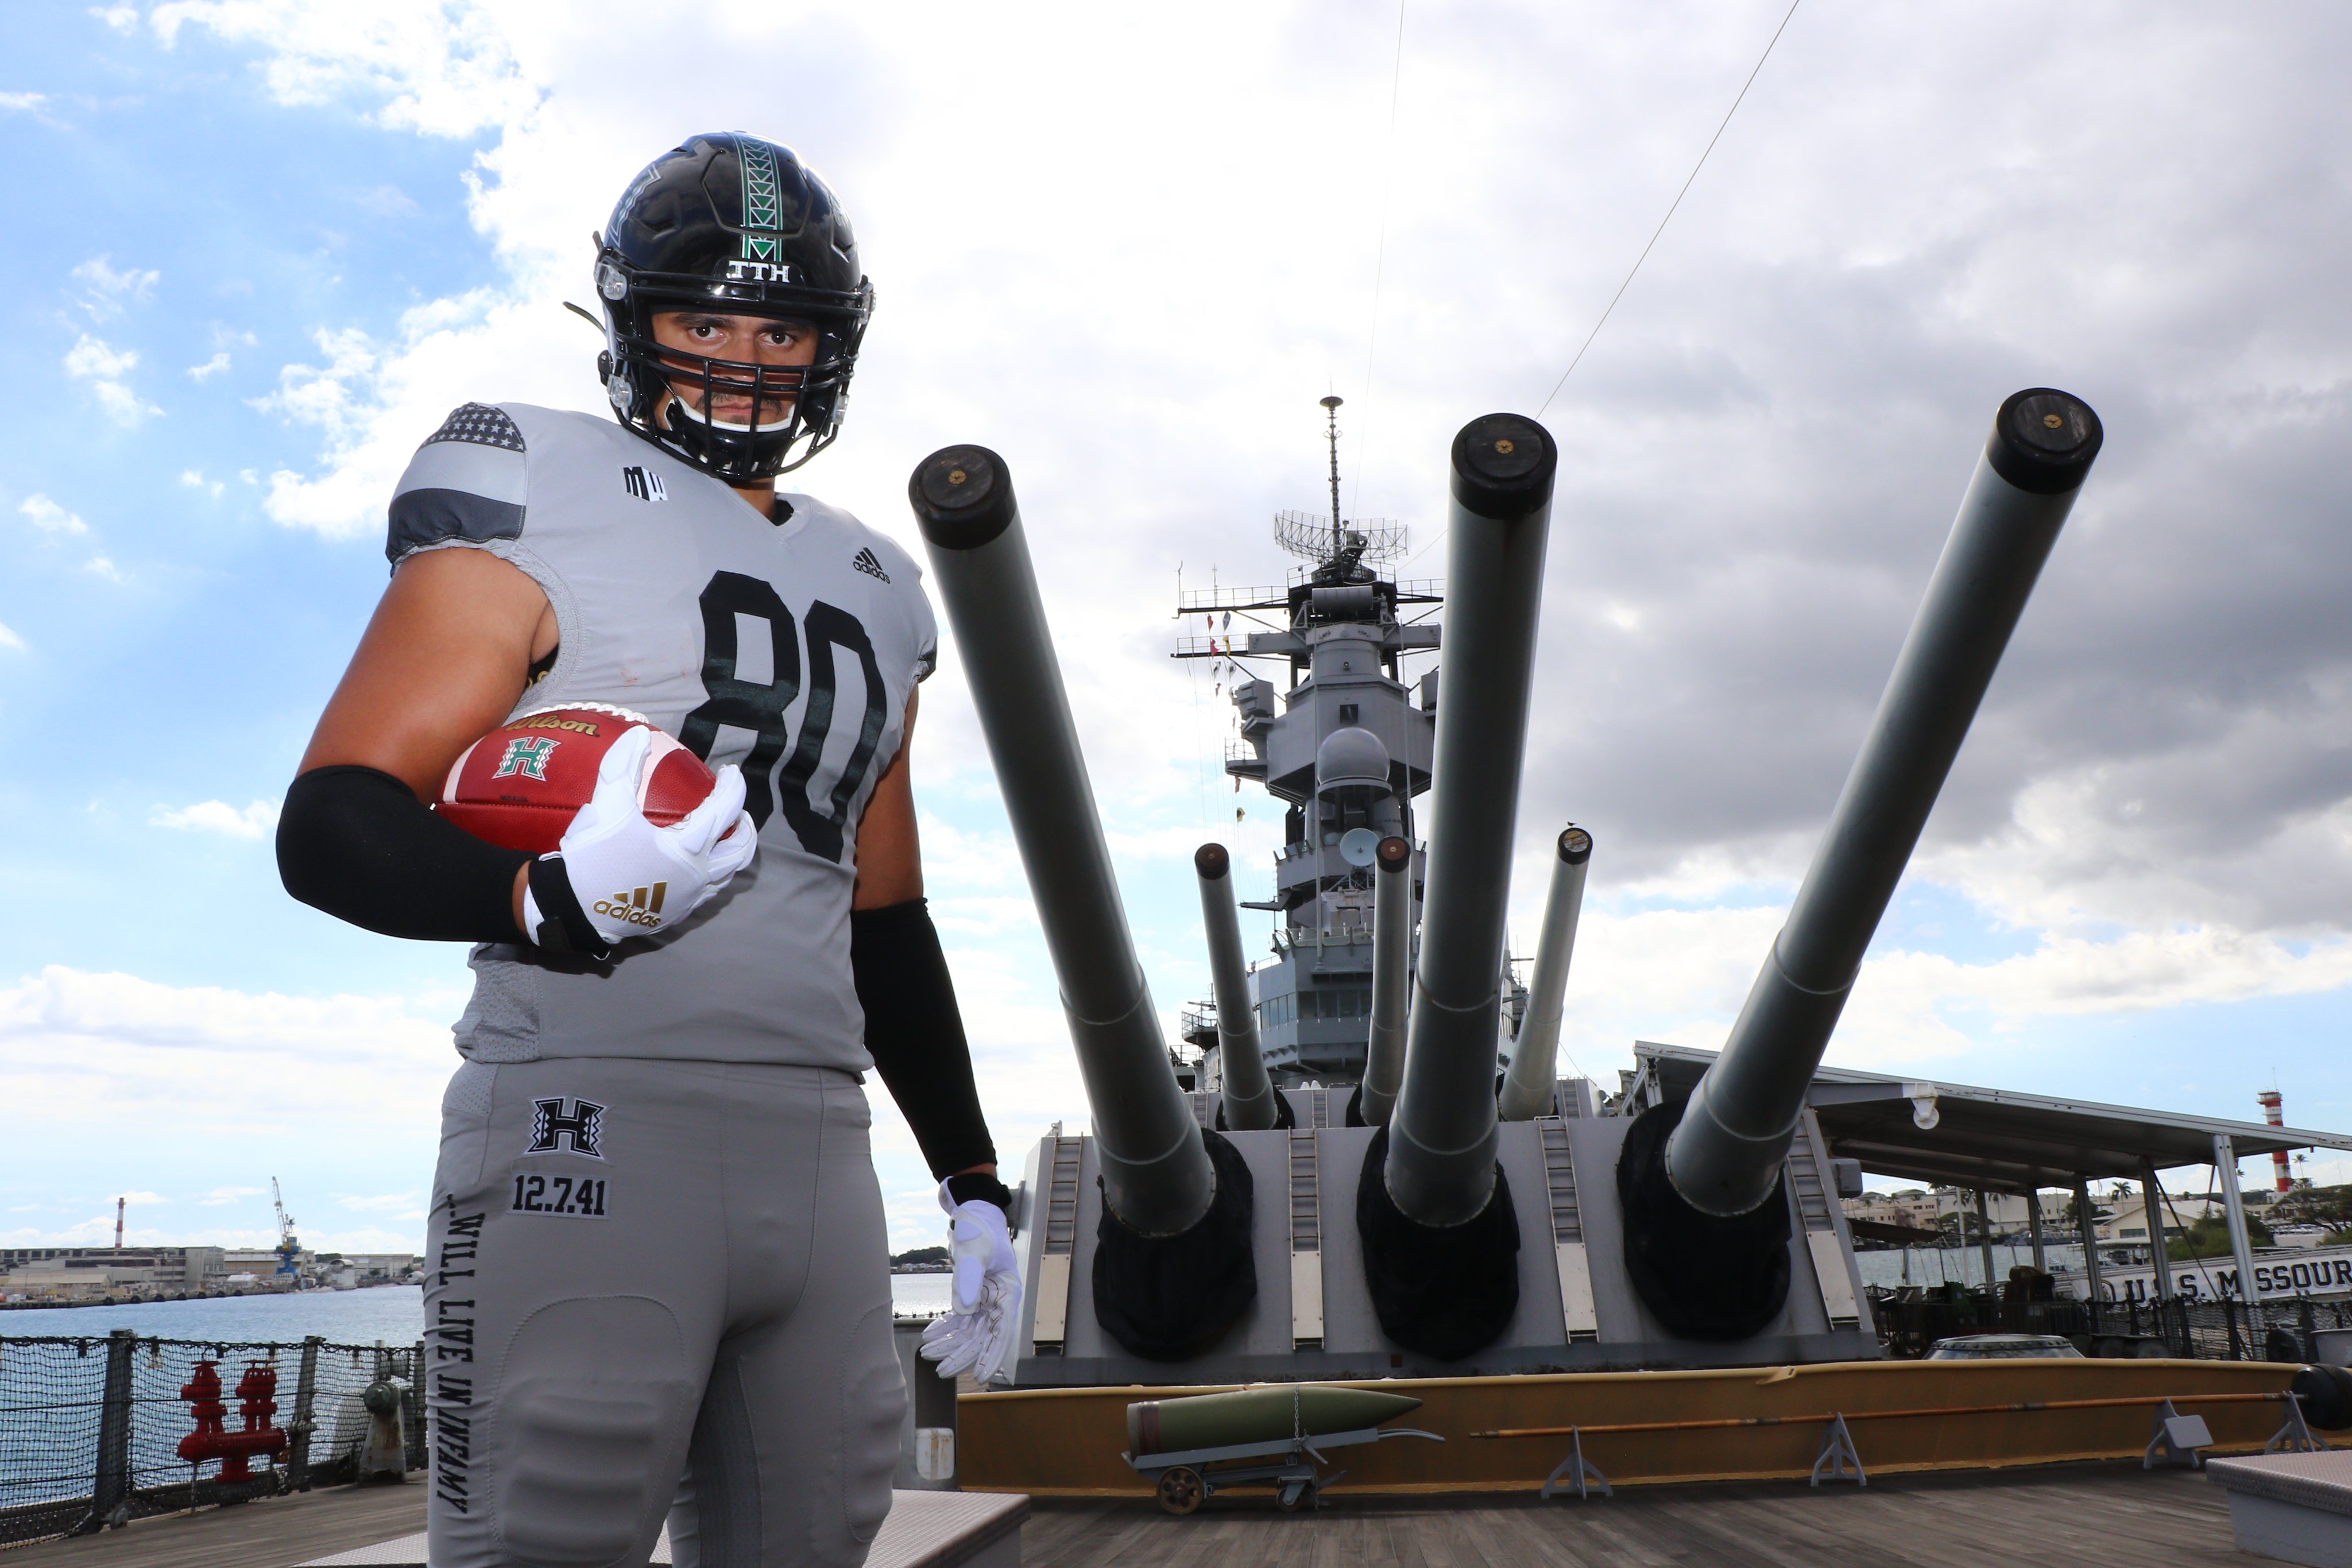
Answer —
658 1289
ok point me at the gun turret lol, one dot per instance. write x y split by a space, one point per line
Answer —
1434 1214
1173 1269
1249 1102
1531 1084
1706 1223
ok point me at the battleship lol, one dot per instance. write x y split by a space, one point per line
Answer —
1378 1171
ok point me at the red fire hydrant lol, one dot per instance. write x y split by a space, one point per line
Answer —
211 1441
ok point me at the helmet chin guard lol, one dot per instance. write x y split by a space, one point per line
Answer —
733 225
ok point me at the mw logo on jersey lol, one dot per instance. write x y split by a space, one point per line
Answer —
526 756
553 1127
867 562
638 906
644 484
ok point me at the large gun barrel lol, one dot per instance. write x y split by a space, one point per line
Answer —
1249 1094
1391 981
1442 1136
1434 1212
1156 1171
1531 1084
1725 1156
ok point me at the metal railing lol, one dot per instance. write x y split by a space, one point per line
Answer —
1911 1320
91 1426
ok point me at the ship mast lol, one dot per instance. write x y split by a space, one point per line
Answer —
1331 433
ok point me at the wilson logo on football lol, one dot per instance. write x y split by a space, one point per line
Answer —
639 906
526 756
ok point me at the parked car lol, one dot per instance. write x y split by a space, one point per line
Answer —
2003 1347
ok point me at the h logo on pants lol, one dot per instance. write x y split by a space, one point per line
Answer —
552 1127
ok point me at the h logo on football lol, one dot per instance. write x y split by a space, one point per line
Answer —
551 1128
526 755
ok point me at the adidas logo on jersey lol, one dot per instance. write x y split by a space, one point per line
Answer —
638 906
867 563
643 486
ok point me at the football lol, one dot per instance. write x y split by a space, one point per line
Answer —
520 785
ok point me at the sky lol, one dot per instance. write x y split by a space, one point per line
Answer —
265 245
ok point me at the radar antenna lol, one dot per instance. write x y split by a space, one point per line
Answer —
1304 535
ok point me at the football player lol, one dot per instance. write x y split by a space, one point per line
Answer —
658 1283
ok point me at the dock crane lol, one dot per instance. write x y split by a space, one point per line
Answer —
290 1248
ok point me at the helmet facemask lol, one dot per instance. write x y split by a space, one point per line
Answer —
795 409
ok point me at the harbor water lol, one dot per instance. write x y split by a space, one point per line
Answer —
392 1313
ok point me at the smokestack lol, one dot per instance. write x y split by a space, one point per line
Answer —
1250 1100
1432 1209
1173 1269
1391 980
2274 1112
1532 1083
1706 1228
118 1222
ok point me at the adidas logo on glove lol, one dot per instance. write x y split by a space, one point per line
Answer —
638 906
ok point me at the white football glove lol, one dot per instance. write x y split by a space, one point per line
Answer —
979 1332
634 879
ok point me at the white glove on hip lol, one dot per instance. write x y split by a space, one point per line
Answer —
979 1332
634 879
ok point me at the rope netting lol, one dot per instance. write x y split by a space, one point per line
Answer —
97 1430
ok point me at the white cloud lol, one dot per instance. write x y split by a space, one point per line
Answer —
445 70
334 1090
388 202
10 641
226 1195
209 369
239 1060
103 566
399 1204
51 519
92 359
255 822
193 479
122 18
104 290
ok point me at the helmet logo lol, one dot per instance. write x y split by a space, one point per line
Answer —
762 193
758 271
761 261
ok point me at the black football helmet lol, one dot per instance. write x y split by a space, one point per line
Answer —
731 224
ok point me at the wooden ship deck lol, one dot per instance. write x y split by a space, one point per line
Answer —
2087 1515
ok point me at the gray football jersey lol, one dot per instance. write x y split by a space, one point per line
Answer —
789 649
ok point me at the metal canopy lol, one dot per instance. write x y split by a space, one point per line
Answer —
1996 1140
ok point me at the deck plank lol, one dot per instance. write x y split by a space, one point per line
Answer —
2107 1515
268 1532
2089 1516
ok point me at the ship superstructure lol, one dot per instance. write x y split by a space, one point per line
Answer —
1345 741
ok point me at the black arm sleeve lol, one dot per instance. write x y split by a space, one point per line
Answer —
357 843
915 1034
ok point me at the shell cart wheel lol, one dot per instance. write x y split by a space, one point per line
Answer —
1295 1496
1181 1489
